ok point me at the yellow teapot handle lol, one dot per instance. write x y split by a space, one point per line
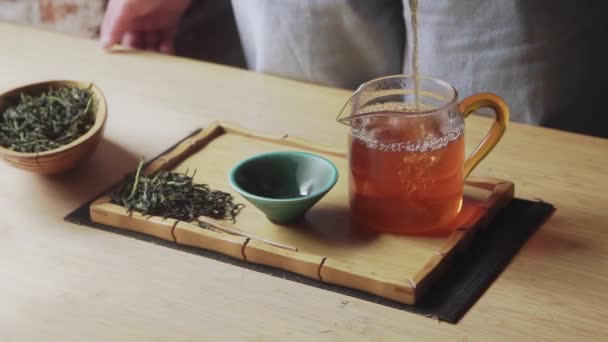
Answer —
501 119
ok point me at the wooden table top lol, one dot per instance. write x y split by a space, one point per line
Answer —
61 281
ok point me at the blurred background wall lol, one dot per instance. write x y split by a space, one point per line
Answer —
78 17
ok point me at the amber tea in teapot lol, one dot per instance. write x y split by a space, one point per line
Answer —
407 161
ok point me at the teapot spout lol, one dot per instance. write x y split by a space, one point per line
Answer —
350 109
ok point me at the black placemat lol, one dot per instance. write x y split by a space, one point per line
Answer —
469 275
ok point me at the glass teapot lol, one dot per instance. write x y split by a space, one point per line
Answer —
407 151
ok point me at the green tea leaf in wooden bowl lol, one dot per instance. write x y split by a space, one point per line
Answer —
38 123
51 127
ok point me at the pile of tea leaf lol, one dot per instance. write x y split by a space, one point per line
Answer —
47 121
175 195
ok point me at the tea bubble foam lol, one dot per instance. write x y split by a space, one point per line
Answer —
398 127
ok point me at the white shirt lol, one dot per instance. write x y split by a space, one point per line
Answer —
545 58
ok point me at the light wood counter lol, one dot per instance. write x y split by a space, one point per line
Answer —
63 282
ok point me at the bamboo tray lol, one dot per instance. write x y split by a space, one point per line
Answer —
325 246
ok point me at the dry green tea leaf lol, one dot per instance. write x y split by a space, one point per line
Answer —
175 195
47 121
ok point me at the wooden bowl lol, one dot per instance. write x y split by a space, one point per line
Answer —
65 157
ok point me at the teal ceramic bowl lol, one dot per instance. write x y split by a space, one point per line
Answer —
284 185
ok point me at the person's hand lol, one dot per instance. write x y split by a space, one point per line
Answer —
142 24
